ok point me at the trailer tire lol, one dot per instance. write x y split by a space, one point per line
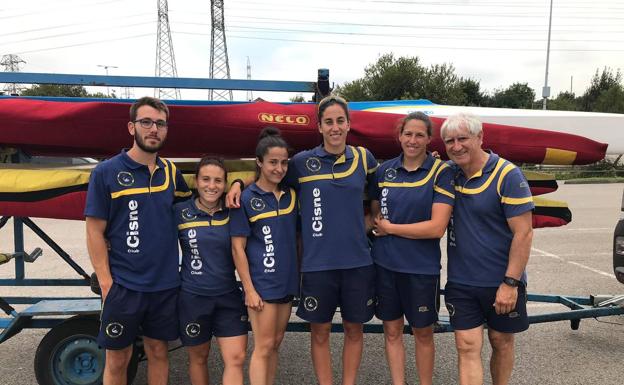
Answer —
69 355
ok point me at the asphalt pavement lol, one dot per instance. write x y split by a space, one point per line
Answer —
572 260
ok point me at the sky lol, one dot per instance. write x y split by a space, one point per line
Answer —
496 42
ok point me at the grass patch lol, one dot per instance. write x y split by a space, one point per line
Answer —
595 180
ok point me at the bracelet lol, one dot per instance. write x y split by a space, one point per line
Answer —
239 181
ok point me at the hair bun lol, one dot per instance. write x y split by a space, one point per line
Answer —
269 131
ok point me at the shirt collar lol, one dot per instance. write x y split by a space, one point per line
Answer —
397 162
258 191
131 163
193 209
491 162
320 152
489 166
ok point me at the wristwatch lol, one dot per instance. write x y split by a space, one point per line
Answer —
511 281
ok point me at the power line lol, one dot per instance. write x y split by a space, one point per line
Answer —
386 44
107 28
86 43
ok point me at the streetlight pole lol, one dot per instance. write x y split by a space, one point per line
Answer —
106 67
546 89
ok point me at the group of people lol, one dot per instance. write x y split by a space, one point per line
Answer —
299 229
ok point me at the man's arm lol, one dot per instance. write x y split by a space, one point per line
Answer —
98 252
522 228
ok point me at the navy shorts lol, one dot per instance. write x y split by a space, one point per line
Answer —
351 289
472 306
201 317
280 301
416 296
125 311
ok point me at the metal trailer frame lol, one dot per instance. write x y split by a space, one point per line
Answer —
56 313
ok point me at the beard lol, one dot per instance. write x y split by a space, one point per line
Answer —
145 147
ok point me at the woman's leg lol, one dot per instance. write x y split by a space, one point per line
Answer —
321 355
395 350
264 327
233 351
351 351
425 353
198 363
283 315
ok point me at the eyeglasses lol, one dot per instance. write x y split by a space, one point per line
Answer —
148 123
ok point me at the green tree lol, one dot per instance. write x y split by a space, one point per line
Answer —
472 92
391 78
440 84
354 91
72 91
600 83
517 95
387 79
565 101
611 100
297 99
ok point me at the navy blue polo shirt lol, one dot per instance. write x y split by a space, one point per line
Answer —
270 226
331 193
407 197
137 208
479 237
207 265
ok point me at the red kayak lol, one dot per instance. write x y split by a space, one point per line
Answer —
98 129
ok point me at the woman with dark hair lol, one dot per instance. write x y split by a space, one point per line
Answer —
412 200
264 244
210 302
337 268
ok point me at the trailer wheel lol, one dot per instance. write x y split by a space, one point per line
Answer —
69 355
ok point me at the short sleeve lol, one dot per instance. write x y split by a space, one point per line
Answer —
291 179
514 191
182 191
373 186
371 168
177 213
444 187
239 223
98 200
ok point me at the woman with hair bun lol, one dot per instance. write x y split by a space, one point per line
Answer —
210 302
264 245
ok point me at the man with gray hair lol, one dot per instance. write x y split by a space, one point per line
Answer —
489 242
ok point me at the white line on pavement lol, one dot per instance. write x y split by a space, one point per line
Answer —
551 255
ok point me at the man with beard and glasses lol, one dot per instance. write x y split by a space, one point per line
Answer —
132 241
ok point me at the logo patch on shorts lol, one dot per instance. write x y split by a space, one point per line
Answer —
390 174
450 308
193 329
244 318
423 309
114 329
310 303
514 314
125 179
187 215
313 164
257 204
